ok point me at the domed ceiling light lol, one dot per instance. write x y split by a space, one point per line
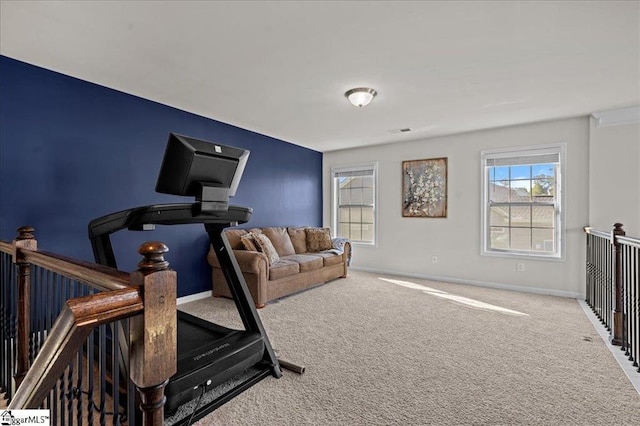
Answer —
360 96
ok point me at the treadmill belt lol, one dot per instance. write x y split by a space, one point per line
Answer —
193 333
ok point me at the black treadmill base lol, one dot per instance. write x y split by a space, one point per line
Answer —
208 355
215 398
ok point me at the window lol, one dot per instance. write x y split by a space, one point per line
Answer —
522 201
354 202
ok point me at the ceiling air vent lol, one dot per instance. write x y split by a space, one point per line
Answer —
405 130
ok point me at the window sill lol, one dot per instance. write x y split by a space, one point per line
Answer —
526 256
364 243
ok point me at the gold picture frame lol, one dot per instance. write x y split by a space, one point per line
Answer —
424 188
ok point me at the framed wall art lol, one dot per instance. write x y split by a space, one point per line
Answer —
424 188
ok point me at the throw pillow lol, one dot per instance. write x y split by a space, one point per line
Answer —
318 239
298 239
280 240
248 242
234 235
264 245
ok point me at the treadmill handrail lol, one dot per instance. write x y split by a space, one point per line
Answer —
174 214
156 214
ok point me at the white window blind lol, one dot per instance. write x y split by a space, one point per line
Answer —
521 160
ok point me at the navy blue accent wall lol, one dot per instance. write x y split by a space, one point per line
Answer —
72 151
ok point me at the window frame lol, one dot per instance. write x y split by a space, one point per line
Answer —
373 166
558 149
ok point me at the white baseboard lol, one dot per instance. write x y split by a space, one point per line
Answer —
511 287
193 297
623 361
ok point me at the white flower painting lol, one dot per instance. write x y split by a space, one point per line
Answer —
424 188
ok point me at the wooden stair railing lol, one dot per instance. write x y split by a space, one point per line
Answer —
630 282
78 318
146 296
613 286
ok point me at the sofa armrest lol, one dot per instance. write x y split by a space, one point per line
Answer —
341 243
252 262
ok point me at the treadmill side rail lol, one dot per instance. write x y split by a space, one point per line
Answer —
240 292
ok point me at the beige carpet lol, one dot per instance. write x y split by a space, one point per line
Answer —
379 352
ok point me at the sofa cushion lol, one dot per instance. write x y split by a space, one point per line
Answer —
318 239
283 268
329 258
264 245
234 235
307 262
280 240
298 239
248 241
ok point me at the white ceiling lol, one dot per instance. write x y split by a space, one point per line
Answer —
281 68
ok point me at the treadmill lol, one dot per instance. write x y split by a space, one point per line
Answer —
208 354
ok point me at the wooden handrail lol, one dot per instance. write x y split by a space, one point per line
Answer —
77 319
100 277
629 241
622 239
6 247
597 232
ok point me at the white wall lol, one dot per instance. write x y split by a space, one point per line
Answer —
406 245
614 181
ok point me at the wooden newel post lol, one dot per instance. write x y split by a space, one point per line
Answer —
617 328
24 240
153 334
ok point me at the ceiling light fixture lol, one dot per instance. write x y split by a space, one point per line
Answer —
360 96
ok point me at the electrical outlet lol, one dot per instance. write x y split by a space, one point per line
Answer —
434 259
520 267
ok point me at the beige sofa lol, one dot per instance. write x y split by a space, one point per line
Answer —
303 258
